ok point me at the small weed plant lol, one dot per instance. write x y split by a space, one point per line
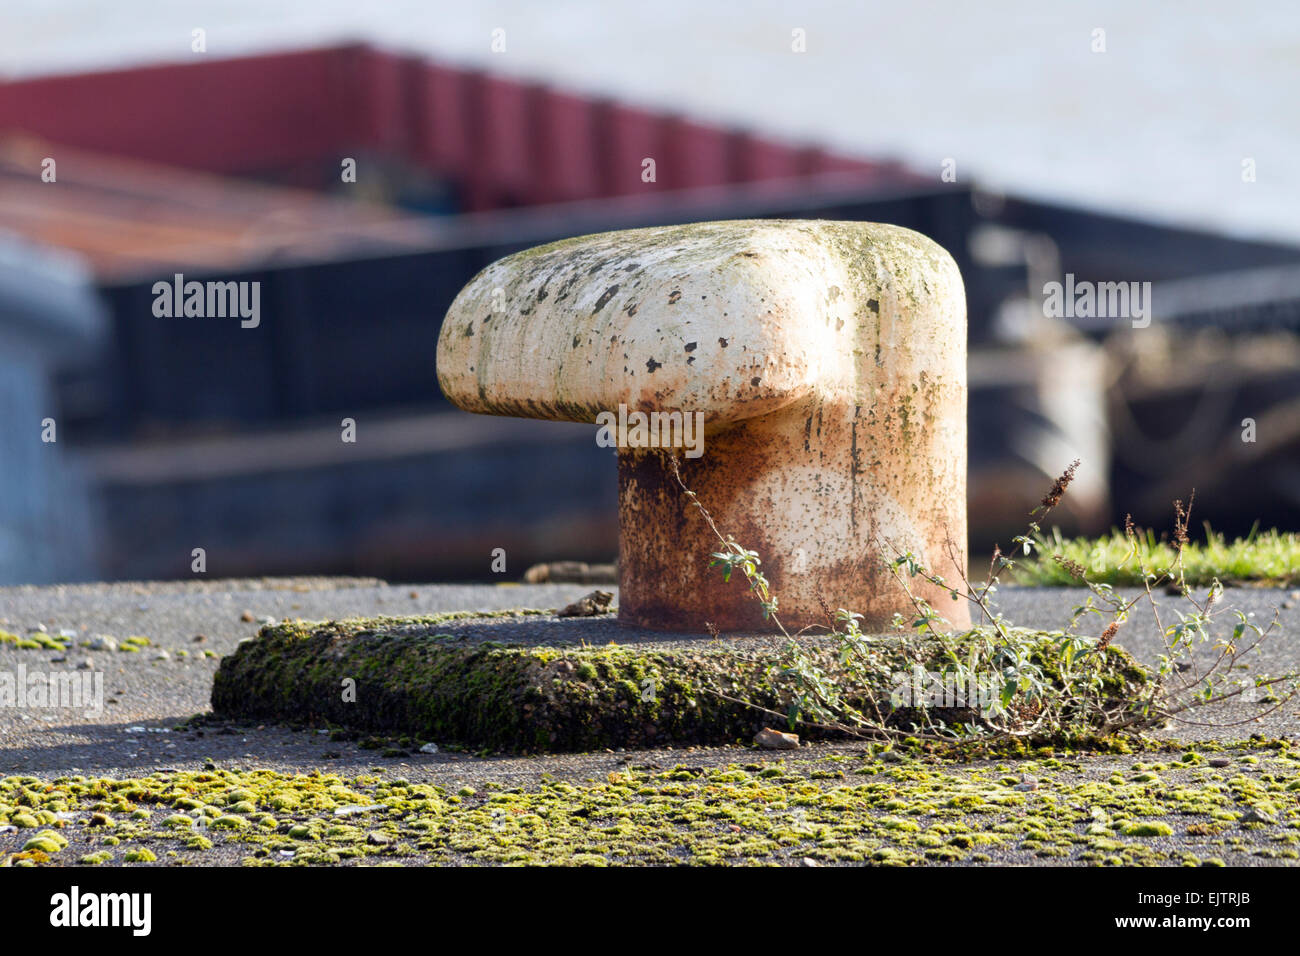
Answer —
1073 683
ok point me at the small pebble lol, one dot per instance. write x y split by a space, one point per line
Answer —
1257 816
771 739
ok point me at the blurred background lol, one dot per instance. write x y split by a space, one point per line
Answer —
1098 141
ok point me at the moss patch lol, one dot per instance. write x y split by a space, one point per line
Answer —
35 641
405 676
65 640
853 807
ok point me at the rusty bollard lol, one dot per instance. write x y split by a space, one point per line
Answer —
825 362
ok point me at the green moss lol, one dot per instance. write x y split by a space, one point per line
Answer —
913 810
283 800
417 682
36 641
1151 829
893 823
47 841
139 855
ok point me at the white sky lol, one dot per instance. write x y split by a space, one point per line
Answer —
1158 125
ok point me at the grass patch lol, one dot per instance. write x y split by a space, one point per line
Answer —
1267 557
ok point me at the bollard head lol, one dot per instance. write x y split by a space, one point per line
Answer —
726 318
824 362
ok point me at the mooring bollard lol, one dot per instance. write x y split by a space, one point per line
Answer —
826 364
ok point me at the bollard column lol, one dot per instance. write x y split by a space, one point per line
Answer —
825 362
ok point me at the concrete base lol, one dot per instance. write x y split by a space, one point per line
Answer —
530 682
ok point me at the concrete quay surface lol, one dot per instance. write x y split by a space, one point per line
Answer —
146 696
